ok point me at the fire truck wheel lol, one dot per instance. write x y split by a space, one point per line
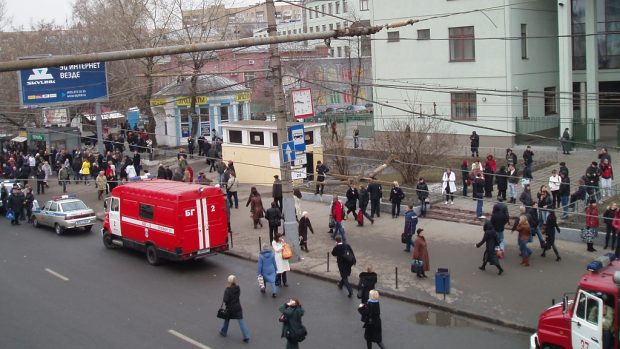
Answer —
107 241
58 229
151 255
88 228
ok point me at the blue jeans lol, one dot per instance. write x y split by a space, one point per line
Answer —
274 288
500 237
479 207
564 202
344 281
339 229
512 190
540 237
525 251
244 329
423 206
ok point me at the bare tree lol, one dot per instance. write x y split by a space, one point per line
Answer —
5 20
415 142
337 148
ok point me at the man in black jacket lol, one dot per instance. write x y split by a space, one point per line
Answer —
564 193
16 203
321 170
592 178
499 219
273 216
351 204
374 189
474 143
345 260
276 191
364 199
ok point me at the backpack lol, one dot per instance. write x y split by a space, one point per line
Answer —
348 256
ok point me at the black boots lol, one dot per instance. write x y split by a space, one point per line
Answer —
590 247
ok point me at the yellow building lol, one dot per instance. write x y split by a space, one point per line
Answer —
254 148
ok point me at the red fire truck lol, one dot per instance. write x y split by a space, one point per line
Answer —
587 319
166 219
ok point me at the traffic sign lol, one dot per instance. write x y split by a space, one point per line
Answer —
296 135
300 159
288 152
298 173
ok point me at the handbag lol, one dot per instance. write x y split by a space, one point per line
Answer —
261 282
499 252
222 313
416 265
10 215
287 251
297 335
332 222
283 319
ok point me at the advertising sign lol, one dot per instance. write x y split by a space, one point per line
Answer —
187 101
55 117
243 97
75 83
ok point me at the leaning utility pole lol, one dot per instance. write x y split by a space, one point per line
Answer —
288 204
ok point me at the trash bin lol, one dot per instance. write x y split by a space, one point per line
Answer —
442 281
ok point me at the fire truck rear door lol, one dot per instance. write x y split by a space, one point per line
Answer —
587 322
115 216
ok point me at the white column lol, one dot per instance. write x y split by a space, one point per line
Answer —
565 66
592 70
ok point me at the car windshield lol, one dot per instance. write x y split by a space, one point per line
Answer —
73 206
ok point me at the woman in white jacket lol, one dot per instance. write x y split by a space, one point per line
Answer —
449 185
282 265
554 187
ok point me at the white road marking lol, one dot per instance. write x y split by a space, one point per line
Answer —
188 340
61 277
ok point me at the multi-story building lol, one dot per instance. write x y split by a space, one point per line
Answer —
324 15
240 21
500 67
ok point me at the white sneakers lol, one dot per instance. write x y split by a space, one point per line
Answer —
451 202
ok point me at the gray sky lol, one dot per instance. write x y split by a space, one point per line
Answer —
25 12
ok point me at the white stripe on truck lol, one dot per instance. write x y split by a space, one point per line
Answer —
153 226
205 216
201 242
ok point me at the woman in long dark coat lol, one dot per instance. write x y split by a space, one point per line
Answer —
256 209
420 251
488 180
233 305
368 280
371 316
293 312
491 241
550 228
304 225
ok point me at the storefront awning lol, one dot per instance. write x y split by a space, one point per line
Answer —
19 139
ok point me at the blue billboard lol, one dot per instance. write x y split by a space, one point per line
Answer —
74 83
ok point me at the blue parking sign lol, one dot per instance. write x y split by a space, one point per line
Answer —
288 152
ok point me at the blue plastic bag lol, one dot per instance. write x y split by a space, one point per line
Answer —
10 215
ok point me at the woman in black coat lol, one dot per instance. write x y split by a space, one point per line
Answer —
491 241
488 180
233 305
550 228
291 322
304 225
396 196
368 280
501 179
371 317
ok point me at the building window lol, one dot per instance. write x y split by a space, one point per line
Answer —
462 44
235 136
249 79
312 29
309 137
525 99
146 211
331 52
165 128
424 34
323 10
523 41
393 36
324 27
240 111
347 51
329 8
274 139
338 25
363 5
294 31
310 14
344 6
339 49
331 26
318 29
337 7
463 105
257 138
550 101
224 113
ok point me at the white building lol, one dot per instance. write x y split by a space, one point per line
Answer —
325 15
506 65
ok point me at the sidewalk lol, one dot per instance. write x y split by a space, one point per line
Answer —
515 298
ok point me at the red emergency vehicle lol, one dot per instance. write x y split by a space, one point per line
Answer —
587 319
166 219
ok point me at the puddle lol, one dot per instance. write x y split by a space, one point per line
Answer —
440 319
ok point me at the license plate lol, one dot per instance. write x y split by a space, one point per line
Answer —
83 221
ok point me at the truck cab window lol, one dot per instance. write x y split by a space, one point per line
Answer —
146 211
114 205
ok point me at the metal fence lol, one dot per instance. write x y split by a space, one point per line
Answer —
346 122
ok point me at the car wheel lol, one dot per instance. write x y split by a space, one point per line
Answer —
107 241
88 228
35 222
58 229
151 255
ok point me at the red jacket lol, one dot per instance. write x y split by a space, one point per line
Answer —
616 222
591 217
338 211
606 171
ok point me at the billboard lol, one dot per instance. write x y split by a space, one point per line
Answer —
74 83
55 117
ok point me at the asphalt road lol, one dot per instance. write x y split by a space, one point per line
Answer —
70 292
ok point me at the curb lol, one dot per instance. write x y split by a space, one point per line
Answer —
399 297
